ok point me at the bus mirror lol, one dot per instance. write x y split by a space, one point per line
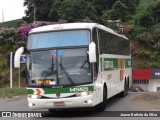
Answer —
92 52
17 57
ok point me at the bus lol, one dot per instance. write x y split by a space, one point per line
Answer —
74 65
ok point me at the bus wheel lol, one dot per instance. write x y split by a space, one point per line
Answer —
125 92
101 107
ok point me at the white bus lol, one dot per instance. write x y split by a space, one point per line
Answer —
75 65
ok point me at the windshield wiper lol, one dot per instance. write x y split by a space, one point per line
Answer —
65 72
48 72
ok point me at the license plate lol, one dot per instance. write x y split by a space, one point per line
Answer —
58 103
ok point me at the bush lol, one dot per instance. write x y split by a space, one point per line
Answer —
24 29
145 38
136 30
119 11
154 65
7 36
144 19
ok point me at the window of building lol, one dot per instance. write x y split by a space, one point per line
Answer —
140 81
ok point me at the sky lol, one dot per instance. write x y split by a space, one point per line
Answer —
11 9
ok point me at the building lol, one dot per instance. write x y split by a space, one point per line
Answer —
147 79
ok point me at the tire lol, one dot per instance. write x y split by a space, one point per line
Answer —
101 107
125 92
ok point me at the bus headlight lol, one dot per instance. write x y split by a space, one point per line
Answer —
34 96
84 93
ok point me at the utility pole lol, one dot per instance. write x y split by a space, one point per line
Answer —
34 12
11 62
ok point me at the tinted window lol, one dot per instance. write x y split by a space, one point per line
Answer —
112 44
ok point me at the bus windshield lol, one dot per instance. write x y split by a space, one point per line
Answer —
65 67
58 39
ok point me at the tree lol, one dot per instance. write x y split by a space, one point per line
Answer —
119 11
39 8
154 9
131 5
54 13
144 19
73 10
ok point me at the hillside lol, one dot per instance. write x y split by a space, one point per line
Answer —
11 24
145 35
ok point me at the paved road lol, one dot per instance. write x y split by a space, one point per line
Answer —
114 104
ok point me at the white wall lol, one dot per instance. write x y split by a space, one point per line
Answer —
153 84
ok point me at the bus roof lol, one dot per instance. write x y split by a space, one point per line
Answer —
68 26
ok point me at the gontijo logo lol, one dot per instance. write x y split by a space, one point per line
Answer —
108 64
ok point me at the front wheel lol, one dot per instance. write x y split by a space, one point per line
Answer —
101 107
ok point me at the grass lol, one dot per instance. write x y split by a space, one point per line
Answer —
9 93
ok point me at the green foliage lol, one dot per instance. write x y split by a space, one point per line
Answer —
7 36
9 93
155 8
23 71
155 30
148 13
11 24
148 58
145 38
54 13
41 7
154 65
118 11
144 19
137 30
131 5
102 5
146 32
2 74
73 10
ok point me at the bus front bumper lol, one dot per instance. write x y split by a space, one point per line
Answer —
73 102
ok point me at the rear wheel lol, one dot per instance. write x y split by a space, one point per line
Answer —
101 107
125 92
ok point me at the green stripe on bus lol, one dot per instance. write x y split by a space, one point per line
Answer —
110 64
30 91
114 63
63 90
